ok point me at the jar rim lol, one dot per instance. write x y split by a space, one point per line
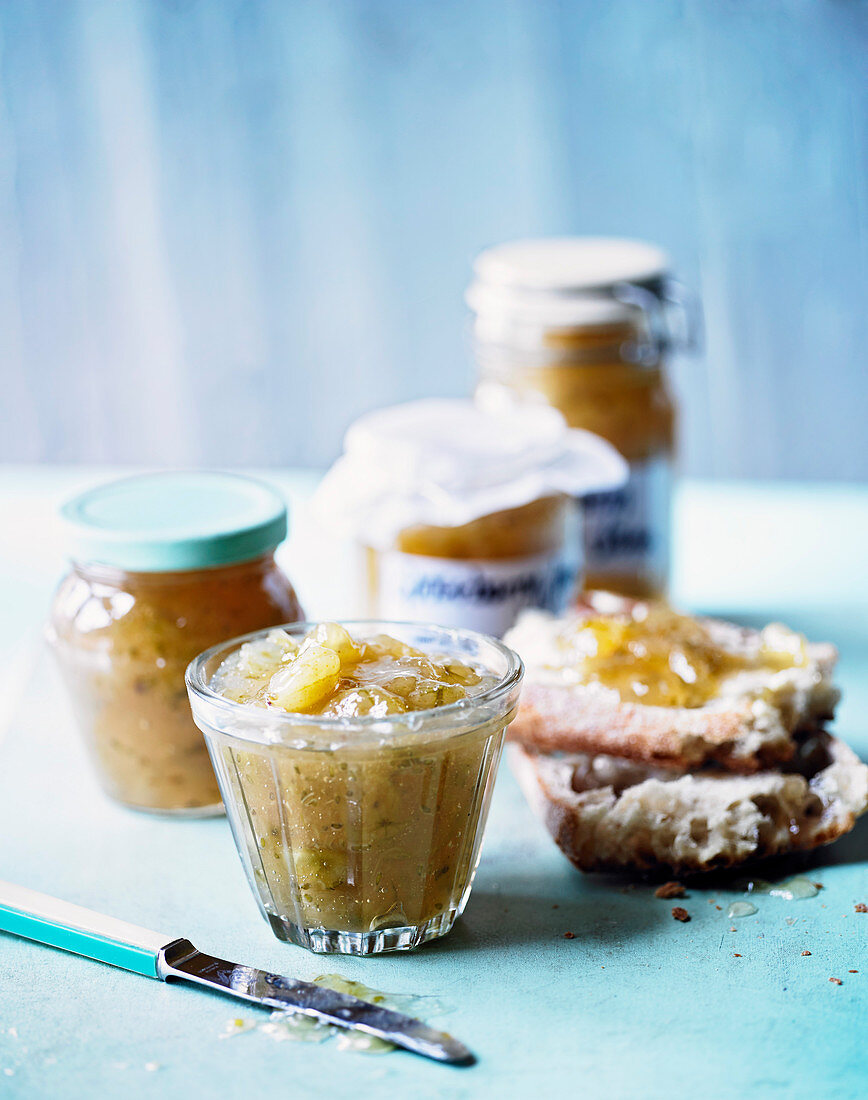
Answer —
524 288
567 281
108 573
175 521
449 719
530 351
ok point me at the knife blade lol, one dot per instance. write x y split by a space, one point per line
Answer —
48 920
183 961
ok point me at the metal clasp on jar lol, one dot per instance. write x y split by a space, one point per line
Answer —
674 319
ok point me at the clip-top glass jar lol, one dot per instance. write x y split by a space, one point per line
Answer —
585 324
163 566
465 516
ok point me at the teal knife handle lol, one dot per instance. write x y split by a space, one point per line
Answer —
60 924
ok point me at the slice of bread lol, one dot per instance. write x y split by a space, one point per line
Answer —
607 813
748 725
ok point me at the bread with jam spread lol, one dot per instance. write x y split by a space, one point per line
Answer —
607 813
635 679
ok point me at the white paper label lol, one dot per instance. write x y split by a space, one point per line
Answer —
478 595
627 529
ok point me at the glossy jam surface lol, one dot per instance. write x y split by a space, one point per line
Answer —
124 640
651 654
330 673
349 836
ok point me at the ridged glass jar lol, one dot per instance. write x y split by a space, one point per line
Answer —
361 835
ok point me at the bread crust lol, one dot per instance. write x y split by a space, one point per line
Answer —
743 738
661 819
743 734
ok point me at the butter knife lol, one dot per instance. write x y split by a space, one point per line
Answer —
48 920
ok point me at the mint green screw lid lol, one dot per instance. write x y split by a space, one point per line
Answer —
158 523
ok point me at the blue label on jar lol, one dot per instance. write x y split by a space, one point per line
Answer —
626 531
478 595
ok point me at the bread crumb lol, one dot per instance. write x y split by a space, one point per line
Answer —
719 907
569 935
732 929
836 981
852 971
806 952
818 885
680 914
861 907
669 890
736 955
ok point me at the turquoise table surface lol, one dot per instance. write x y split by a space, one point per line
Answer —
635 1005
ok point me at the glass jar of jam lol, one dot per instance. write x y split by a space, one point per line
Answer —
357 765
585 324
464 517
163 566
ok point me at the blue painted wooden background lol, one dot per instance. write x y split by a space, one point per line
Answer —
229 226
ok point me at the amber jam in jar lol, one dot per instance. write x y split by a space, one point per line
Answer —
465 517
585 325
357 763
532 555
164 566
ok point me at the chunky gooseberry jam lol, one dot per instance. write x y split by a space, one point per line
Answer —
329 673
356 769
123 641
651 654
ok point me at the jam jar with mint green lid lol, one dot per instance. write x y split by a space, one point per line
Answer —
162 566
586 325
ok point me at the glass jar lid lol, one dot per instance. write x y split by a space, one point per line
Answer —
162 522
523 289
564 280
